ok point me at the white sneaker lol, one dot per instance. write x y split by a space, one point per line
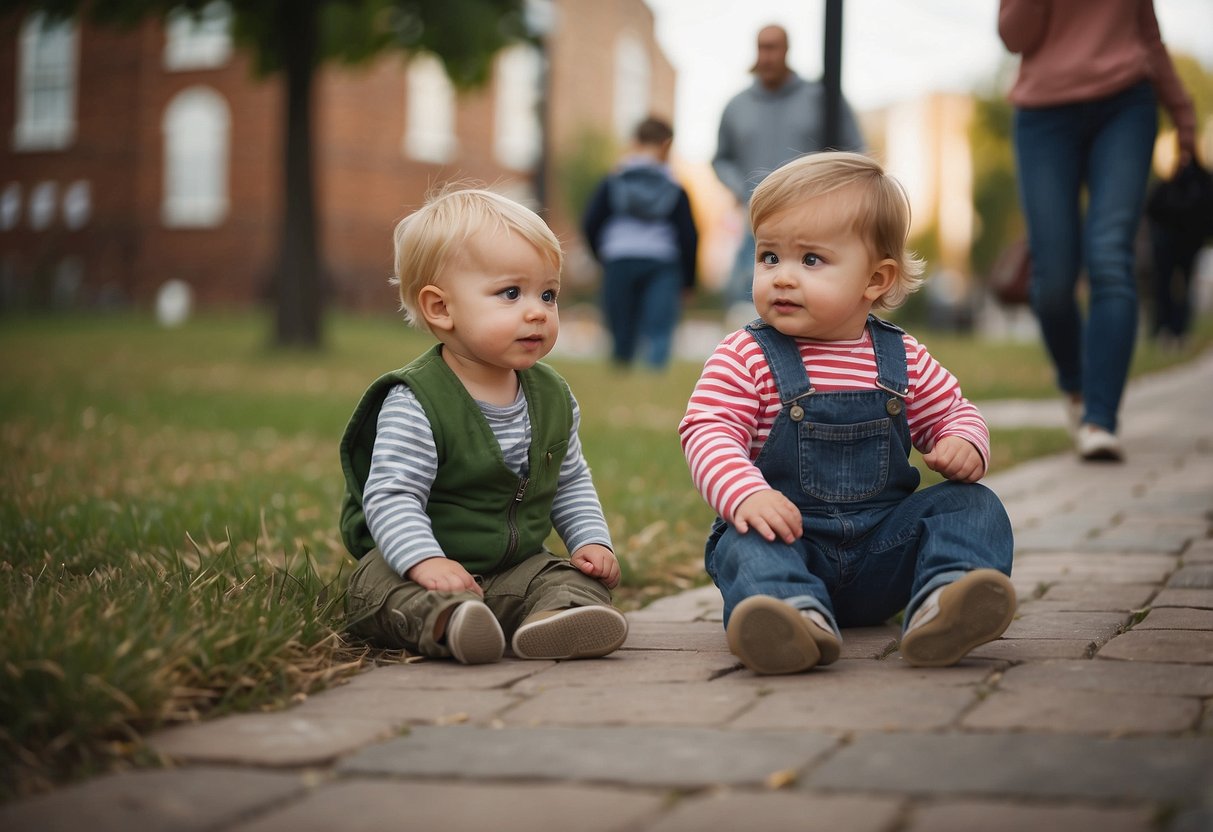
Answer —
473 634
1098 445
1074 411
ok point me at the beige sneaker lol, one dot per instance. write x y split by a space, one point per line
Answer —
954 619
473 634
772 637
575 633
823 635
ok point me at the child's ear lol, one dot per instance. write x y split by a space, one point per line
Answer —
882 280
431 303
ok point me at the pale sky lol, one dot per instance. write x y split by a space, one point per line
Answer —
892 50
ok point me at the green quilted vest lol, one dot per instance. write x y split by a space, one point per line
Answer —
483 514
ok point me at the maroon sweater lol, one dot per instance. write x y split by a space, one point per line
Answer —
1079 50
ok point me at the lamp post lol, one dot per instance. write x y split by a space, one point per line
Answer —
831 78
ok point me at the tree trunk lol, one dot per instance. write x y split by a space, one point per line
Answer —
297 275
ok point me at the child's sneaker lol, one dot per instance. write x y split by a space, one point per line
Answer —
823 635
954 619
771 637
574 633
473 634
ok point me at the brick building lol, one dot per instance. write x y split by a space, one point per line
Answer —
128 158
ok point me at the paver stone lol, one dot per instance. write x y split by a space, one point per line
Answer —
1183 646
1022 765
163 800
1072 711
375 806
270 739
647 757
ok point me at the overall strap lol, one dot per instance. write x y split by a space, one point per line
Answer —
890 349
783 357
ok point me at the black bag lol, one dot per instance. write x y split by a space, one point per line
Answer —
1184 202
1010 277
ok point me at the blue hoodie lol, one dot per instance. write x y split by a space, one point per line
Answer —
640 212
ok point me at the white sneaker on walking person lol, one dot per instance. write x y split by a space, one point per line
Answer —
1098 445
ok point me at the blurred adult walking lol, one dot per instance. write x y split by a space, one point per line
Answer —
778 117
639 225
1091 76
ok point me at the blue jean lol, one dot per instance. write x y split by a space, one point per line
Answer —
860 568
740 286
640 299
1104 146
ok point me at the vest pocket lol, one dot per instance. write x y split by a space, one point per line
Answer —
554 457
844 463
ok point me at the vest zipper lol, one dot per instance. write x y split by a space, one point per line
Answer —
511 522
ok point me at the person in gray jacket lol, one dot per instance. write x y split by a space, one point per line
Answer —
639 225
777 118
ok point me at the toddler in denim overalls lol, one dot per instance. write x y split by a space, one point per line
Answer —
799 434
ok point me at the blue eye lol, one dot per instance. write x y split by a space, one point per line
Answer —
512 293
811 259
769 258
549 296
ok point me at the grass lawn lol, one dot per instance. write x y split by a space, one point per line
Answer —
168 505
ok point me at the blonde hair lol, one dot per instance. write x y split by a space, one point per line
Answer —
881 209
427 240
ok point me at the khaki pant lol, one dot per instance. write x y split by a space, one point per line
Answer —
395 613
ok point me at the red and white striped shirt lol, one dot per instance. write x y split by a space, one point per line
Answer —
735 403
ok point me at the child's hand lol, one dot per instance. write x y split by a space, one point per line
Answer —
956 459
599 562
444 575
771 515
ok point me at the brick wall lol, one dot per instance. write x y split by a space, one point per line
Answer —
364 180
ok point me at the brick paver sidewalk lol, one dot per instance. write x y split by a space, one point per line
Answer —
1095 712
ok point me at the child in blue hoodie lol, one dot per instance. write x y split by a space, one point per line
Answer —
639 226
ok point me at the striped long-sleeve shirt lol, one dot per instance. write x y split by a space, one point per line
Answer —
405 461
735 403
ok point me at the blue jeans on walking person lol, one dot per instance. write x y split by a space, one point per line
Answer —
641 302
1104 146
872 543
740 285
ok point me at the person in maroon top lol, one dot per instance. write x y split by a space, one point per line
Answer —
1091 77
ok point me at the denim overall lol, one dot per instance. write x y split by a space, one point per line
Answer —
872 544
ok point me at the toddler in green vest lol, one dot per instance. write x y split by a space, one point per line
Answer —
459 464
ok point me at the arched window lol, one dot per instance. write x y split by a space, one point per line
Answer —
196 129
429 121
10 206
42 199
517 139
202 41
46 85
77 204
632 77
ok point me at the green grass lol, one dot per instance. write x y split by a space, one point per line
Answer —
168 504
